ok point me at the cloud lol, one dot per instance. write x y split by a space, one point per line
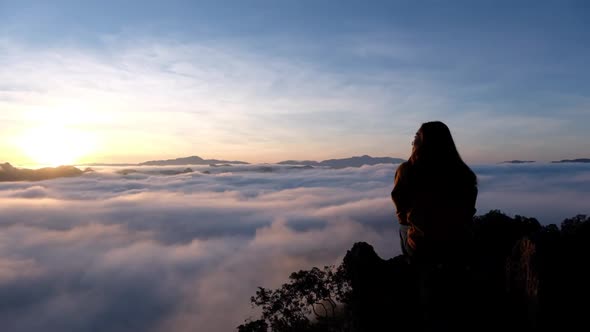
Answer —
550 192
149 252
28 192
225 98
235 100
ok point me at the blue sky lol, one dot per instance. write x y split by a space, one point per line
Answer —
264 81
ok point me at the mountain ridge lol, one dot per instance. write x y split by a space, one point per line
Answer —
578 160
356 161
192 160
11 173
516 161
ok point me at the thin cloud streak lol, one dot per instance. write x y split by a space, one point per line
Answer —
237 99
227 101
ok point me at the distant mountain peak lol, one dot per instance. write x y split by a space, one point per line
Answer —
517 162
356 161
192 160
579 160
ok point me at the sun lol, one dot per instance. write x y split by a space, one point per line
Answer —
54 145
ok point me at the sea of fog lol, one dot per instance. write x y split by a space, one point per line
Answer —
150 250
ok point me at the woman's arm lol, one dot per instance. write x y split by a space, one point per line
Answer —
401 193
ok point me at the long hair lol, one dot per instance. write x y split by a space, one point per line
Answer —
435 151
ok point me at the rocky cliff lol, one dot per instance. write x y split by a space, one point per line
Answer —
518 276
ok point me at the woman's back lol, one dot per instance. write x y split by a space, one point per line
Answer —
444 203
435 194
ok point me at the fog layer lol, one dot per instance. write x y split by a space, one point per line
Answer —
151 252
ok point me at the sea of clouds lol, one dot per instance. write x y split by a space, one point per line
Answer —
152 252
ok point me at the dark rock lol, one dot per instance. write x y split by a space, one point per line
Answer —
175 172
127 171
521 275
547 276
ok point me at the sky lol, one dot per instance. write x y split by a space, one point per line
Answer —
150 252
265 81
260 81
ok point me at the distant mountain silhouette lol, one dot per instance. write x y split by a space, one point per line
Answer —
517 162
579 160
109 164
11 173
193 160
357 161
345 162
128 171
299 162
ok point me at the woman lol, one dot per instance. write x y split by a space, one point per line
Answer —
434 195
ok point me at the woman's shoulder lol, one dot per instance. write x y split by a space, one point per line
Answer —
404 165
403 168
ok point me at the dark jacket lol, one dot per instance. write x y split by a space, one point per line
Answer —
438 203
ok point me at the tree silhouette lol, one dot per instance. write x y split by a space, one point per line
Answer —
313 300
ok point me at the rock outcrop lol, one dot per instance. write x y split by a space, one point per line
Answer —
518 276
522 277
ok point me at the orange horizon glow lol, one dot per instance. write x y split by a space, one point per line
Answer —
51 145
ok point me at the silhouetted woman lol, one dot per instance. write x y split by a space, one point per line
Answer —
434 194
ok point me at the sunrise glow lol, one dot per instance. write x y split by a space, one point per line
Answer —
54 145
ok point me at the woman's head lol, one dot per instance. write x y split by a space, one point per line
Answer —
434 143
435 153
